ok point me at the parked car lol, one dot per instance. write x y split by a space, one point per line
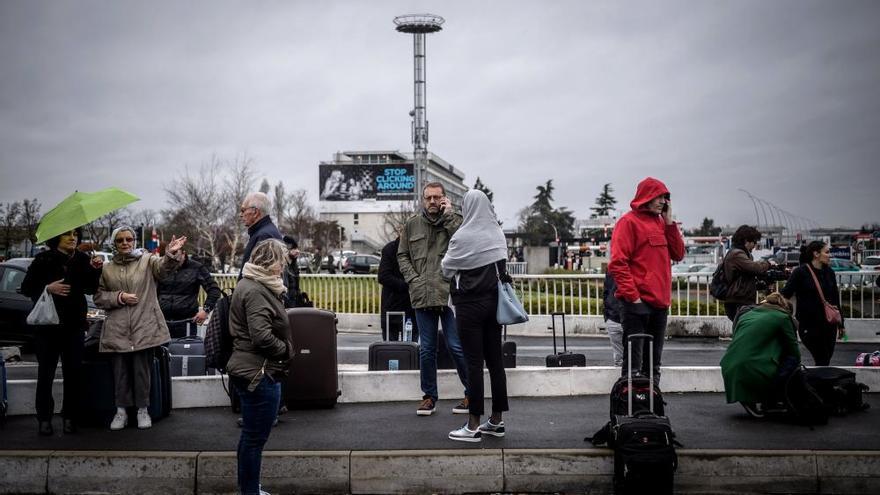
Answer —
871 263
842 265
361 263
15 306
788 259
703 275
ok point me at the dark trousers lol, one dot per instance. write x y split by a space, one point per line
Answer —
820 341
642 318
258 411
50 344
480 336
131 372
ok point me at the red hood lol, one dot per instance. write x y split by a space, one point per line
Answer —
647 190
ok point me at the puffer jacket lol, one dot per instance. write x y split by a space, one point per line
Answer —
130 328
179 291
422 246
76 270
740 269
260 334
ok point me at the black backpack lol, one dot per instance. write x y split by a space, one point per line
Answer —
838 389
218 340
719 286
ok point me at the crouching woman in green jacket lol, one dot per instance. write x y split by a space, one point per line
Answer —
764 350
261 351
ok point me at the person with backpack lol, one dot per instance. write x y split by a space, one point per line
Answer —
762 354
740 270
261 353
813 284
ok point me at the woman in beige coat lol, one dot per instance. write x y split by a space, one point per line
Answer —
134 324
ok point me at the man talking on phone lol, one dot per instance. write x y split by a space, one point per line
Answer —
645 241
423 243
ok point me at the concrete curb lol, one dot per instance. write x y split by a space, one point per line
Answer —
388 386
444 471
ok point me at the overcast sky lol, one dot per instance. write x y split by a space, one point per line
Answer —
781 98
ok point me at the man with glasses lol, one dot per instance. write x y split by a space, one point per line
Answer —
254 214
423 243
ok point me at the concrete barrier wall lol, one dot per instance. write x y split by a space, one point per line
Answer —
450 471
390 386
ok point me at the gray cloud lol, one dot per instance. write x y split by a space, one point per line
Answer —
780 98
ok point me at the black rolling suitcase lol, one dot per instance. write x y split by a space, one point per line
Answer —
313 378
188 353
838 389
563 359
508 351
644 443
393 356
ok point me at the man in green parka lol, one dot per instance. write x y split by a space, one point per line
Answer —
763 350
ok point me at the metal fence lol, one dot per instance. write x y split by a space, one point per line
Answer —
579 294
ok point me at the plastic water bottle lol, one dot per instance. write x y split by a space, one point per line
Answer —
407 330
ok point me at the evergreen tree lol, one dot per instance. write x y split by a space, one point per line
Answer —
478 185
605 202
538 220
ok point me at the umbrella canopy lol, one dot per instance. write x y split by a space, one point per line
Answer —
81 208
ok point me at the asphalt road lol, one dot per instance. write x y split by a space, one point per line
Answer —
531 351
700 420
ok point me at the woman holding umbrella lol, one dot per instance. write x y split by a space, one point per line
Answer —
134 324
68 275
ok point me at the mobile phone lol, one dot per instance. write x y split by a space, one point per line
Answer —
665 207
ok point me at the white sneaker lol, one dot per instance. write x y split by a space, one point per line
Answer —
144 420
120 421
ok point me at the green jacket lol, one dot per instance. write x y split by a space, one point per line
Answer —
423 244
763 336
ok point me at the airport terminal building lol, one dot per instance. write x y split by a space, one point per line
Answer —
366 191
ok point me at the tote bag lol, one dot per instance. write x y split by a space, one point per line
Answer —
44 312
510 311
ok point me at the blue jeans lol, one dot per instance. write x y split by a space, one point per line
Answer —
258 411
428 321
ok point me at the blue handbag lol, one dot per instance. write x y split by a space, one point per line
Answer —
510 311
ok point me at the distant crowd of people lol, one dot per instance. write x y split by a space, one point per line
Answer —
442 270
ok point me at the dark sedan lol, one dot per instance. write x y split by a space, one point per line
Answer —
361 263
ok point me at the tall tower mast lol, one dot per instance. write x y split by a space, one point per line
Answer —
419 25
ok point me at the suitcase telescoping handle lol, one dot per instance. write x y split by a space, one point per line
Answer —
386 334
188 322
629 373
553 327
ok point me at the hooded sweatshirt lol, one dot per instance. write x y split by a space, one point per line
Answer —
642 248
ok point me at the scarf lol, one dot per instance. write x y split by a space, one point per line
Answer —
479 241
122 258
262 275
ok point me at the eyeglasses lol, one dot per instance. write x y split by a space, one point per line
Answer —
120 240
246 208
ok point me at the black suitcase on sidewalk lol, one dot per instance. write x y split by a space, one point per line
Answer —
838 389
188 354
385 356
644 443
508 351
313 378
563 359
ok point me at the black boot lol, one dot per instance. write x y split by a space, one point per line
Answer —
46 428
69 426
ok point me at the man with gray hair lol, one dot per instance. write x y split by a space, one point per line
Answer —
254 214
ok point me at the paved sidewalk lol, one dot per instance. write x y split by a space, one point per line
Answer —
701 421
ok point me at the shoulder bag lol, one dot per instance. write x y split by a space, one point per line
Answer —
510 311
832 314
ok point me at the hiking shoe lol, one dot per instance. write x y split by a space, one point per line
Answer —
490 428
753 409
426 408
120 421
462 407
143 419
463 434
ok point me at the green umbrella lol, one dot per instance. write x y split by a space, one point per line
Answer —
81 208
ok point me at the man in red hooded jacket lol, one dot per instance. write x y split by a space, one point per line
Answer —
644 242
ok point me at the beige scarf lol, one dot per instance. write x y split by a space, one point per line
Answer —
262 275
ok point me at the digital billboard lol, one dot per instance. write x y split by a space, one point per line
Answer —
356 182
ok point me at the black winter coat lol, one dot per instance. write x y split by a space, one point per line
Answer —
76 270
263 229
810 312
395 291
178 292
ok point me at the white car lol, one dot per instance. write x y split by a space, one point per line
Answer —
703 275
871 263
